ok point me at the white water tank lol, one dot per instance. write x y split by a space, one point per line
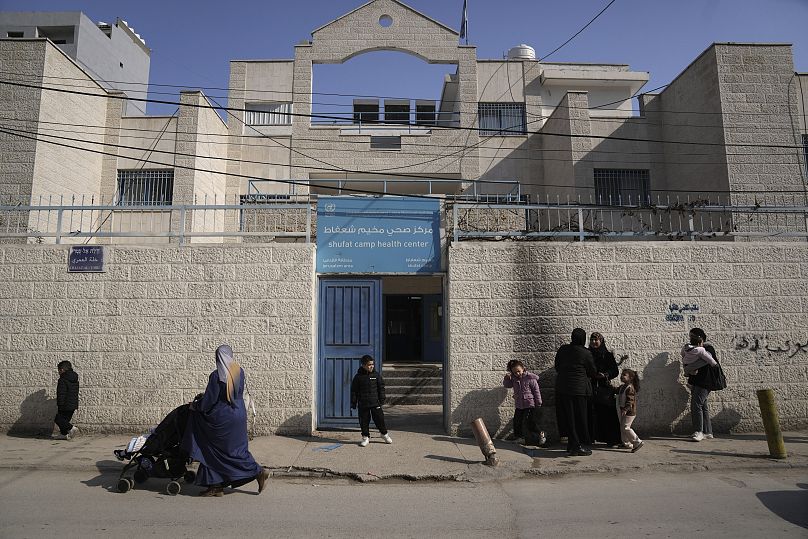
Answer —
522 52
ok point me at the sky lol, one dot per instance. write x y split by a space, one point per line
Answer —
192 47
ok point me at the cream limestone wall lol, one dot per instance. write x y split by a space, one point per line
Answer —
511 301
142 335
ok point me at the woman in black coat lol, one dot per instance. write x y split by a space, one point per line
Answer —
574 368
604 425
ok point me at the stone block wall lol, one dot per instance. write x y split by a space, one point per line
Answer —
142 335
509 301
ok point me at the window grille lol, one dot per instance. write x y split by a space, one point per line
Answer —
805 152
501 118
617 186
145 187
268 114
385 143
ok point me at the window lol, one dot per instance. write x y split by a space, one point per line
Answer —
145 187
424 112
501 118
396 111
268 114
805 151
16 34
619 186
365 111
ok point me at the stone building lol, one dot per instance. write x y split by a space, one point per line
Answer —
441 317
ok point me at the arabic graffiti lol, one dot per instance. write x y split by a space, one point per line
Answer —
760 343
676 313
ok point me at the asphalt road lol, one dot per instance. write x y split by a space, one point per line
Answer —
735 504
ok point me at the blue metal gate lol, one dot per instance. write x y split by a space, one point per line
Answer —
349 327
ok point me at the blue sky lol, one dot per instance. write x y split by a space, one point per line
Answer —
192 47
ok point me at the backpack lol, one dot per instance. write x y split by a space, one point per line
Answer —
714 378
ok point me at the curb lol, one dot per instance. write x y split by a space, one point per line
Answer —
467 476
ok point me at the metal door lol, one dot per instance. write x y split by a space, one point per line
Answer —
349 327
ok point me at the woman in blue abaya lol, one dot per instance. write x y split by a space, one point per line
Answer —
216 435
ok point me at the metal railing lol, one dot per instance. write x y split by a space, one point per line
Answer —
261 217
180 223
691 219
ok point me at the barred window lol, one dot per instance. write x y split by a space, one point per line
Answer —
805 151
268 114
145 187
501 118
619 186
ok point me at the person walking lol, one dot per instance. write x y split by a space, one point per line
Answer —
216 433
575 366
627 401
67 400
367 394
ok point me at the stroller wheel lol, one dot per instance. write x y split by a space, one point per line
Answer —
124 485
189 476
173 488
140 476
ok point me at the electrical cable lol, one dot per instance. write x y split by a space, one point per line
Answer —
33 136
562 135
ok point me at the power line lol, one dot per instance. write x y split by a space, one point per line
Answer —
248 90
33 136
576 34
450 128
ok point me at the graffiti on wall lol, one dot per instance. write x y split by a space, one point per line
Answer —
680 313
760 343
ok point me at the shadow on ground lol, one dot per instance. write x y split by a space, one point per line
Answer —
789 505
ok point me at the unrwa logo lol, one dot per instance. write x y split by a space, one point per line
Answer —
330 207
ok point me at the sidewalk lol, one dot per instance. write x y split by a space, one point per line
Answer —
418 456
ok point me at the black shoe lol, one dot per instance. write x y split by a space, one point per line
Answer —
580 452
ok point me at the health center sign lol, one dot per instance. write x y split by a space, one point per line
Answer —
378 235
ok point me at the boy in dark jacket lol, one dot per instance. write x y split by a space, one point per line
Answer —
67 400
367 394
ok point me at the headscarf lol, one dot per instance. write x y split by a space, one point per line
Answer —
228 369
600 350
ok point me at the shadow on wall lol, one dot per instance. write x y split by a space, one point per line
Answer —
725 421
483 403
36 416
663 398
293 425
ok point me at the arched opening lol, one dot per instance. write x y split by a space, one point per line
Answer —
383 87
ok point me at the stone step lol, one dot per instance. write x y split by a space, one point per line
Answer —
412 373
413 382
416 399
399 390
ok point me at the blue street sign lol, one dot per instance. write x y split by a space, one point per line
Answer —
378 235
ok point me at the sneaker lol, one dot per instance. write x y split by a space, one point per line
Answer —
697 436
638 446
542 438
387 439
365 441
74 431
708 436
60 436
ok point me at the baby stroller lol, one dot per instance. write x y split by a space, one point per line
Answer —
158 455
